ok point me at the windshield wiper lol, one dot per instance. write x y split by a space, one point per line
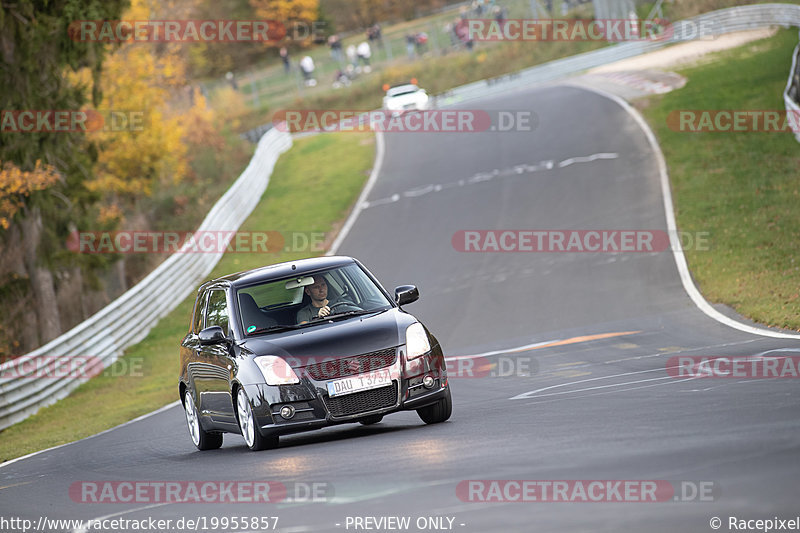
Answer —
277 327
345 314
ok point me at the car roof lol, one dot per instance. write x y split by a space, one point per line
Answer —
398 89
281 270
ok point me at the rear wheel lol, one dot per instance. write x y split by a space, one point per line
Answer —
202 439
369 420
438 412
247 424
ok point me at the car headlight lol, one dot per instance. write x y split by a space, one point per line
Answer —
275 370
417 342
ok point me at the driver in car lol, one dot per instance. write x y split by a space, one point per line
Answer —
320 306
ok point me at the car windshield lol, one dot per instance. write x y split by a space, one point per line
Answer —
291 303
401 90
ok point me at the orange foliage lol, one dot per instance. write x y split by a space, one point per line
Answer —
285 11
17 184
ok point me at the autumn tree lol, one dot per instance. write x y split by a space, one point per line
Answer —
296 16
35 52
54 183
286 12
137 82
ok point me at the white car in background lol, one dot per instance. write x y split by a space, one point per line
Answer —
406 97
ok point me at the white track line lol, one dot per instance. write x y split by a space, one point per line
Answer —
677 250
536 393
137 419
498 352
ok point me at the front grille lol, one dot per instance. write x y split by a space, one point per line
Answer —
361 402
350 366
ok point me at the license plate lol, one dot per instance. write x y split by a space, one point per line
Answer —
362 382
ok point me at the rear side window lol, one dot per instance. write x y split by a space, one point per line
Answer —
217 310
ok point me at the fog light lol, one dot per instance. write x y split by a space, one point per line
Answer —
287 412
428 382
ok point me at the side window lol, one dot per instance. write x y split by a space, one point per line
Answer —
199 312
217 311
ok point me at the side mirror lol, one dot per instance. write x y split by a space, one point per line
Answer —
405 294
211 335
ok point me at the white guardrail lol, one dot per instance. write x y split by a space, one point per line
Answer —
792 92
127 320
102 338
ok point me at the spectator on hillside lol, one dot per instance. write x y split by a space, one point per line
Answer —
421 43
499 13
364 54
307 68
341 79
335 43
352 56
411 42
374 34
232 80
462 31
284 53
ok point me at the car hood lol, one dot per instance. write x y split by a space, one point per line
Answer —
341 338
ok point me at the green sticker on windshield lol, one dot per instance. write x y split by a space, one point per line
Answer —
251 329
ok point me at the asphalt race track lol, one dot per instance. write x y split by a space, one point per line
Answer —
588 396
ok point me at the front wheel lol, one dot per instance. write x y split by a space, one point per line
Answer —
247 424
438 412
202 439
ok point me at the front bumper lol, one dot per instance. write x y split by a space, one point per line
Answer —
314 409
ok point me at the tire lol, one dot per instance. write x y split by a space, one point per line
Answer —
368 421
247 424
438 412
201 438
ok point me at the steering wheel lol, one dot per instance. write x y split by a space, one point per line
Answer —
345 303
334 306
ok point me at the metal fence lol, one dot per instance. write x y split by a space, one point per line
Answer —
52 371
791 96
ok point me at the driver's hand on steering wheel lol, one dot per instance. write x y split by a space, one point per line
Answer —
324 311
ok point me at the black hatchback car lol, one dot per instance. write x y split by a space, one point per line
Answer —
302 345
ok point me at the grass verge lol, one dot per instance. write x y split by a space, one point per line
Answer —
742 187
311 190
